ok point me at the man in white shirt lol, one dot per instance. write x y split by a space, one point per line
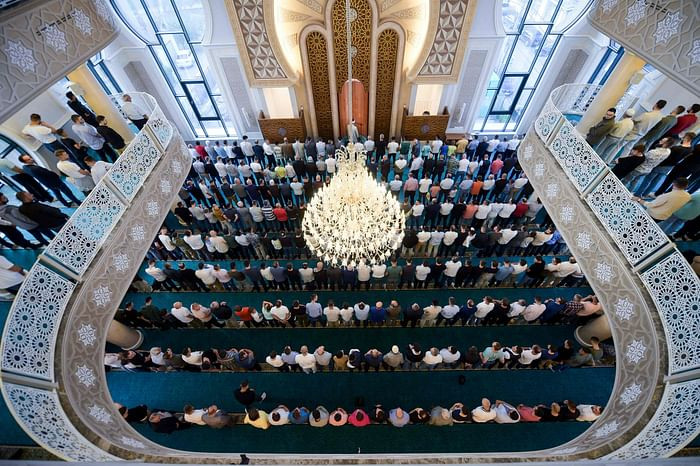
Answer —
589 413
482 310
133 112
517 308
219 244
504 214
98 168
392 148
506 413
451 357
205 272
435 146
194 416
642 124
306 360
181 313
364 273
448 241
483 413
423 237
432 358
78 176
435 241
159 277
452 266
482 212
332 314
422 272
528 356
89 135
42 132
247 147
492 143
369 145
395 185
194 241
448 313
11 276
167 242
534 310
416 213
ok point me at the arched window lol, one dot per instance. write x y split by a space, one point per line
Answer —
173 31
607 64
533 29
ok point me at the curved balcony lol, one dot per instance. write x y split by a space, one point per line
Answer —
52 367
650 293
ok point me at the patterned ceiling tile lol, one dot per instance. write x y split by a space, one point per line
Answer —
252 22
313 5
410 13
289 16
444 48
386 4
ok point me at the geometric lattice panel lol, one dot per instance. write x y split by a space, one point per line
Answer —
547 120
675 423
633 230
387 53
32 324
676 291
160 126
317 53
80 239
251 19
40 414
575 156
134 165
446 41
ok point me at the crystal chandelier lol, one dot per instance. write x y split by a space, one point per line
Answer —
353 218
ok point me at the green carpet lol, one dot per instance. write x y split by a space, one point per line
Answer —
165 299
173 390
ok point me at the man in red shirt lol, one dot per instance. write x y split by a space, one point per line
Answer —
684 122
281 215
519 211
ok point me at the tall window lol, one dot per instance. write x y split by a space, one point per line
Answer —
607 63
533 29
173 30
99 69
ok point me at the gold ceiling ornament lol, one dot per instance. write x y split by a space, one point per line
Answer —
354 218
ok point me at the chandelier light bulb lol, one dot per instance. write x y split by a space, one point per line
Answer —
353 218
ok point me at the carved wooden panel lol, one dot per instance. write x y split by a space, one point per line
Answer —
361 29
424 127
387 54
317 52
276 129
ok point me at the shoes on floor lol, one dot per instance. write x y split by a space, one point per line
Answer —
263 396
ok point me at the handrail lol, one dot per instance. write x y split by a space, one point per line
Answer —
654 261
34 320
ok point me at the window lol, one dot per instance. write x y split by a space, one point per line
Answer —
607 63
173 31
104 77
533 29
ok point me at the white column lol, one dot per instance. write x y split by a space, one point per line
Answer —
612 91
598 327
124 337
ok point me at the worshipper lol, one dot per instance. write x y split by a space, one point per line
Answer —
89 135
319 417
98 168
49 179
484 413
78 176
46 216
338 417
440 416
256 418
217 418
134 113
279 416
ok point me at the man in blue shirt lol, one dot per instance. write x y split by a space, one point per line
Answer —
553 307
377 314
504 271
299 415
314 311
373 359
398 417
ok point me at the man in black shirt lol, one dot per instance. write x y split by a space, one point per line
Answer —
77 106
164 422
45 215
407 274
183 214
625 165
135 414
189 279
246 395
49 179
112 137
